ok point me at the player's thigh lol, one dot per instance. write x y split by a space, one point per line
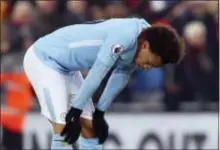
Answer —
50 87
75 85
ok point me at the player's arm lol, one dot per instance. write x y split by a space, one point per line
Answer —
91 83
114 46
116 83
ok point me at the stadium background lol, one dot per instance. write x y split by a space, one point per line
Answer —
175 107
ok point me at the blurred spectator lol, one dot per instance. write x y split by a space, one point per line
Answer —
199 65
212 8
76 12
47 18
16 34
157 6
116 9
4 40
17 100
202 52
97 11
195 77
4 10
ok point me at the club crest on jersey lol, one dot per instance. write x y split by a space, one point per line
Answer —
117 49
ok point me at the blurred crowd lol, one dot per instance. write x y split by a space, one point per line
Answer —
189 85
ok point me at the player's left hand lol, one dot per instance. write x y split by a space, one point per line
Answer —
72 128
100 126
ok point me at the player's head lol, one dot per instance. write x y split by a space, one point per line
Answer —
157 46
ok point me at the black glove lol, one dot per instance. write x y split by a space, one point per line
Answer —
100 126
72 128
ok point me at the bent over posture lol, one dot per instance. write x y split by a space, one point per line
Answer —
53 65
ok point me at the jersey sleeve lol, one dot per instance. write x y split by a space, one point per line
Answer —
112 48
116 83
116 45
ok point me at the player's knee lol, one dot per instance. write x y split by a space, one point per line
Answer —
87 130
57 128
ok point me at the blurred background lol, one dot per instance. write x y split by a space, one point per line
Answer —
175 107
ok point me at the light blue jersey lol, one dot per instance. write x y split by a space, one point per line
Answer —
95 46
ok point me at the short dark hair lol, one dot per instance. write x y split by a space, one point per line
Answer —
165 42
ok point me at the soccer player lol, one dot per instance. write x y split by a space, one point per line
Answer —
53 65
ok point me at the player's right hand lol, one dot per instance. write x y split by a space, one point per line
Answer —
72 128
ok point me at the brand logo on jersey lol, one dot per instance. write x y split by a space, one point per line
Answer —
117 49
